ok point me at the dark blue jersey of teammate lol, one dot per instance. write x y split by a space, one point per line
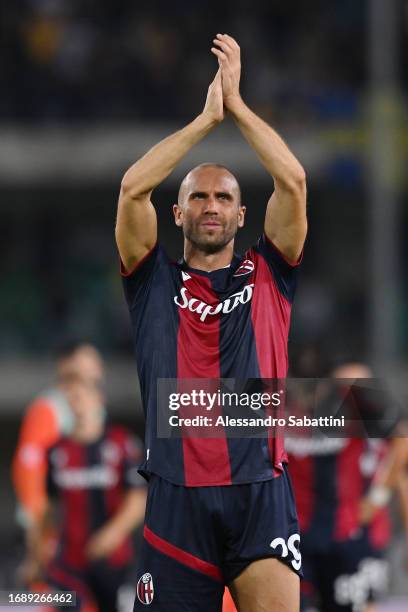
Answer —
189 324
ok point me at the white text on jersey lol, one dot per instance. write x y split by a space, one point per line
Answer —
203 309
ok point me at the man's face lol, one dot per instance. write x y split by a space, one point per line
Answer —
85 400
84 365
209 208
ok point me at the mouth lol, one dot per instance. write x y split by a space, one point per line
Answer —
211 224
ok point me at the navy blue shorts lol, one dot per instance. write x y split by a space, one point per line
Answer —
342 576
99 584
198 539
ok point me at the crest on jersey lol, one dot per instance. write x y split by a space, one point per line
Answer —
110 452
246 267
145 589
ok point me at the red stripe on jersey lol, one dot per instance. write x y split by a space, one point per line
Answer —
181 555
301 472
270 321
350 489
206 460
379 530
76 523
114 497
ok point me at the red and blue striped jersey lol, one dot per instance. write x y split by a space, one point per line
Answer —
89 481
189 324
330 476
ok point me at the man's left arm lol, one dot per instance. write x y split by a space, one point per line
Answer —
285 221
128 517
131 511
388 478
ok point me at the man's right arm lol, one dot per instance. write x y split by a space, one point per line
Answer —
136 224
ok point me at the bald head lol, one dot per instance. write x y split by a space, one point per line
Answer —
208 170
209 209
352 370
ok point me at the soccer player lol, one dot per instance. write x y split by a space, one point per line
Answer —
342 488
402 485
219 511
47 418
94 483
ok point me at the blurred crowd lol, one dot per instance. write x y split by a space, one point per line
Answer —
85 62
69 60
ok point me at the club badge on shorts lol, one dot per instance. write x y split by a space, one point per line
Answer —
145 589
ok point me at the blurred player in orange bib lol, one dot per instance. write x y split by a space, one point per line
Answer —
47 418
94 487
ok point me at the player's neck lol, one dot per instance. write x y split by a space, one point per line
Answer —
200 260
88 431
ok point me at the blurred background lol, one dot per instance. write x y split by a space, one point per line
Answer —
87 86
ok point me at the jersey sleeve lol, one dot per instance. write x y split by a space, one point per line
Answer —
283 270
138 281
39 430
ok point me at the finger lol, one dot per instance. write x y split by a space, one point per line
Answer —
230 40
220 54
223 46
223 42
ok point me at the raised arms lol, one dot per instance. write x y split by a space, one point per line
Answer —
136 224
285 220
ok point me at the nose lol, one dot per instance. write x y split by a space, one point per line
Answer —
211 207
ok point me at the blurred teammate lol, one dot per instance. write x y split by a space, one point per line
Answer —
92 475
47 418
342 489
401 450
214 314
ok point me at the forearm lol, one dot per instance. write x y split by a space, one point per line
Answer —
388 475
130 513
149 171
272 151
285 219
403 500
391 468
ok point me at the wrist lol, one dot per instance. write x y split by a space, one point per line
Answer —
234 104
208 120
379 495
117 529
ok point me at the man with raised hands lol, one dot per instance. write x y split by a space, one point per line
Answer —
220 511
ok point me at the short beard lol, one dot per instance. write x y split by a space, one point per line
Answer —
209 248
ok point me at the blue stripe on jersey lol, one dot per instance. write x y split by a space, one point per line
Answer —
155 339
98 514
325 498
